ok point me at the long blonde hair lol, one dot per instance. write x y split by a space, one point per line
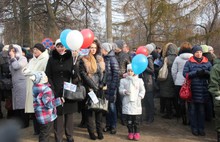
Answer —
90 63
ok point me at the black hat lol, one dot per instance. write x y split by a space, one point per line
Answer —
40 47
196 48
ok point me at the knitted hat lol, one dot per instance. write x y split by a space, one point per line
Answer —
107 46
196 48
210 48
40 47
154 45
205 48
39 77
58 41
129 67
120 43
150 48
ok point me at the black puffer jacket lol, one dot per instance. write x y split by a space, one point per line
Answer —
59 70
123 60
147 75
112 74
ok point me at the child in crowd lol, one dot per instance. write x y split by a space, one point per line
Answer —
44 104
132 89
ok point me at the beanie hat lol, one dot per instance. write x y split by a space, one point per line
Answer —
120 43
107 46
154 45
210 48
196 48
129 67
40 47
150 48
205 48
40 77
58 41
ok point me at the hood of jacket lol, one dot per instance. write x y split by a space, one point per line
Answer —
185 56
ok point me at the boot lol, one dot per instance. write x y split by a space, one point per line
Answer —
100 135
92 136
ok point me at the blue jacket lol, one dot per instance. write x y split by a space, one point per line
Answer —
112 74
199 85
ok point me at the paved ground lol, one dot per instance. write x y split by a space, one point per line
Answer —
161 130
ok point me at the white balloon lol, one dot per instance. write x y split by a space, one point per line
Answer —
74 40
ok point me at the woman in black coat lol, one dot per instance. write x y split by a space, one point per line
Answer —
60 69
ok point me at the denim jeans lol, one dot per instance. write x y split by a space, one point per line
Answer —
111 118
197 116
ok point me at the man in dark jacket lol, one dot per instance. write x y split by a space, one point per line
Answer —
112 81
123 59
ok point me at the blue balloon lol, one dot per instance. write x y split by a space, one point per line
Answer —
63 36
139 63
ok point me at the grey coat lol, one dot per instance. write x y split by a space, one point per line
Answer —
167 88
18 79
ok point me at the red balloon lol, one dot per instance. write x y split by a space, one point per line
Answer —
142 50
88 37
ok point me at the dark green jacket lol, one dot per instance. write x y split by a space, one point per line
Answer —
214 85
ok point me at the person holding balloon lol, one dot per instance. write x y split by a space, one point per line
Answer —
60 69
112 80
133 91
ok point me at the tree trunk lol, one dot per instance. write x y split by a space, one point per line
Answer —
51 30
24 24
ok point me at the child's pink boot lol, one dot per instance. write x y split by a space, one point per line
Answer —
130 136
137 136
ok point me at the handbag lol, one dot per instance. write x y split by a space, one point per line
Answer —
101 105
185 91
163 72
78 95
5 84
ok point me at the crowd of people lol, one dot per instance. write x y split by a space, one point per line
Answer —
107 71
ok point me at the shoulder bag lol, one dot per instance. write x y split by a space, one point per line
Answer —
163 72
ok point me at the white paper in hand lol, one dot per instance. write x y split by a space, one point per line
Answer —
69 86
93 97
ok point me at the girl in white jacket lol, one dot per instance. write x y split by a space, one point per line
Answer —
132 89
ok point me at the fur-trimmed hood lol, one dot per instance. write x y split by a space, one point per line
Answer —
172 49
65 56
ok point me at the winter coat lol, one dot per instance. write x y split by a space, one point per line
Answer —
18 79
112 75
214 85
177 68
35 64
131 104
147 75
167 88
91 80
123 60
59 70
44 103
199 85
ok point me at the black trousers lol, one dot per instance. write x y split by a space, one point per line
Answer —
45 130
23 117
63 122
133 122
90 122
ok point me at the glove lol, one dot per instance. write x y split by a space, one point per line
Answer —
73 72
62 99
200 73
217 98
